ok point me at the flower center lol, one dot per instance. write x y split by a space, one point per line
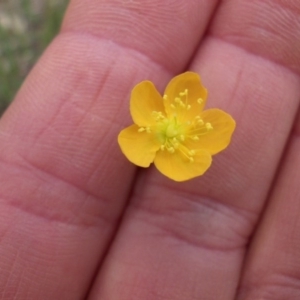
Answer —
171 131
171 134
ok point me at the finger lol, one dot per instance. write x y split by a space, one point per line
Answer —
182 240
63 179
167 32
272 268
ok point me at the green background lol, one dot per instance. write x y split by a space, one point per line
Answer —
26 28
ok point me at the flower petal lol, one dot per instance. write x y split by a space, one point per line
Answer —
194 101
179 168
219 137
138 147
144 100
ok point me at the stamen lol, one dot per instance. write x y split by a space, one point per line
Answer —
183 93
200 100
195 138
162 147
141 129
187 153
199 121
154 114
192 152
208 126
165 97
175 143
171 149
157 115
148 130
182 138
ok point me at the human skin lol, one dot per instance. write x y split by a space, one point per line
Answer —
78 221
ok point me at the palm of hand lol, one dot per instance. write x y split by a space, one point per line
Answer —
76 217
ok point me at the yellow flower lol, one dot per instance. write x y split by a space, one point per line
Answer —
173 131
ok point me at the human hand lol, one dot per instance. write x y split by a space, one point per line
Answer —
77 220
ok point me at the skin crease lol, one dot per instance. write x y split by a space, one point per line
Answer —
78 221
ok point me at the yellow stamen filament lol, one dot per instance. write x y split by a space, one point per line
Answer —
192 152
187 153
199 128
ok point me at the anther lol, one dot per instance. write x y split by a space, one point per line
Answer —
208 126
182 138
200 100
154 114
171 150
188 107
173 106
192 152
148 130
157 115
175 143
191 159
195 138
162 147
199 121
141 129
165 97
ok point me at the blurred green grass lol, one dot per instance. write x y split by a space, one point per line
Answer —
26 29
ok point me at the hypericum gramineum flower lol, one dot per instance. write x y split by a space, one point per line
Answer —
173 131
